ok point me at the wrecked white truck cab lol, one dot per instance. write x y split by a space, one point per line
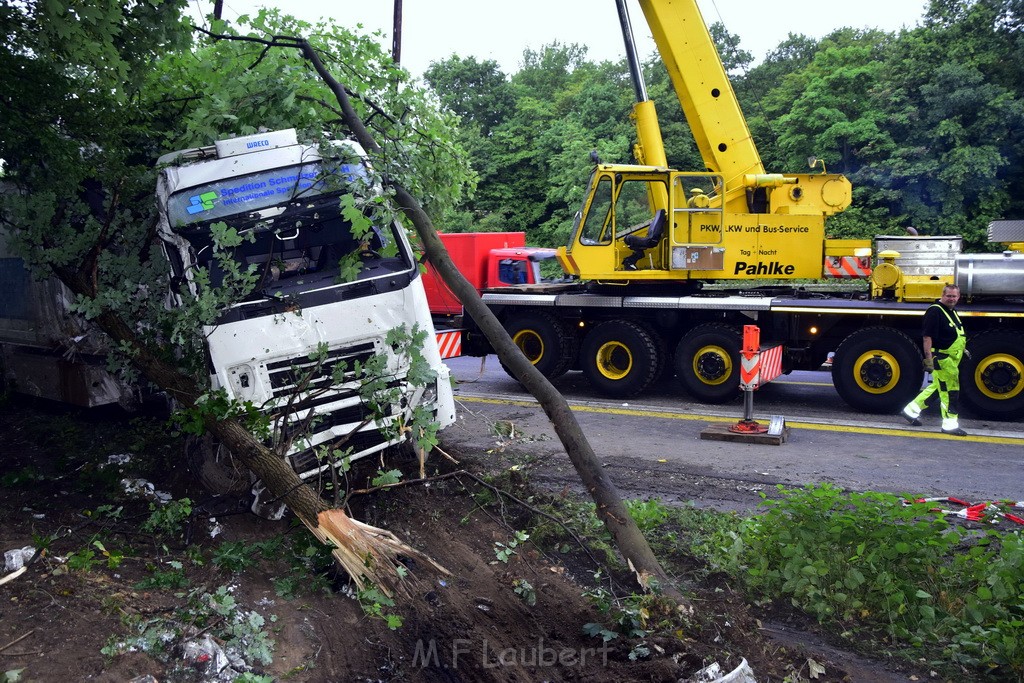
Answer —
280 348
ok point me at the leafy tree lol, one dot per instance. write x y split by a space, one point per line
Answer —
755 87
957 118
530 136
478 92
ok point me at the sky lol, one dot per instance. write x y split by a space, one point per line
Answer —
435 29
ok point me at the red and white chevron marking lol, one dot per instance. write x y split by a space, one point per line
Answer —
750 371
450 343
771 364
847 267
759 368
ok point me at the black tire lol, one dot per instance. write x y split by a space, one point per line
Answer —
992 379
619 358
878 370
546 341
666 370
215 468
707 362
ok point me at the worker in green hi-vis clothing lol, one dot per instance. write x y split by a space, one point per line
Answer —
945 343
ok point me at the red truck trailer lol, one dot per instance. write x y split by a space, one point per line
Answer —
489 260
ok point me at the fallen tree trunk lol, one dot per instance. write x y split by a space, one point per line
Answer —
610 507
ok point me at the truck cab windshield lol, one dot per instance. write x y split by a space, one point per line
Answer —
291 224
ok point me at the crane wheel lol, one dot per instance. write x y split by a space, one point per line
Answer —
877 370
707 362
992 379
547 342
620 358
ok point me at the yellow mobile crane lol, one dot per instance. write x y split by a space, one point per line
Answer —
648 237
733 221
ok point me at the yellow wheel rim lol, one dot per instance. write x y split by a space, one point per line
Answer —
1000 376
712 365
614 360
876 372
530 343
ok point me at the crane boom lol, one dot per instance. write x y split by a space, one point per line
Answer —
703 88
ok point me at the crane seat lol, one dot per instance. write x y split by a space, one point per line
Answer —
640 243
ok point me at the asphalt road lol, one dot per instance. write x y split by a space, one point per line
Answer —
653 445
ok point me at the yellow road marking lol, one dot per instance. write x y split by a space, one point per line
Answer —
666 415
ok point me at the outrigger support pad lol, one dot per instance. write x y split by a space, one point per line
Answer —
748 427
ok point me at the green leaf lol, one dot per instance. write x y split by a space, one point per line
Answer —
386 478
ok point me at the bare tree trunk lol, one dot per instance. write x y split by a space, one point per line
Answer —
610 508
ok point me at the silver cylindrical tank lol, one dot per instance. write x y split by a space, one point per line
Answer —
990 274
922 255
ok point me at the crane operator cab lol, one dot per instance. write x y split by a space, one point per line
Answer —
647 223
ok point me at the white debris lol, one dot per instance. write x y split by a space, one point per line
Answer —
138 487
206 655
15 559
712 673
145 489
117 459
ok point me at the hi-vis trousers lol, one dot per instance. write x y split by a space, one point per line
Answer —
945 381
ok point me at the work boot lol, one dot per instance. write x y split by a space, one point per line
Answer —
956 431
629 263
914 422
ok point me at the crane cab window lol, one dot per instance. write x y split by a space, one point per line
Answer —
618 209
597 225
634 207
